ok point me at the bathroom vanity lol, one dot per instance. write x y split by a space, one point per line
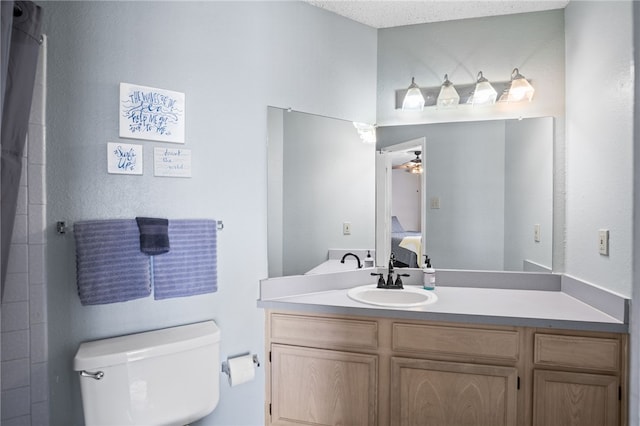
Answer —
333 360
496 348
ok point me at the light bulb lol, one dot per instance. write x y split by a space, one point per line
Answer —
484 93
448 96
520 88
413 100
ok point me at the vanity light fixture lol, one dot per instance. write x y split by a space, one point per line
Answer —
520 89
367 132
484 93
448 96
413 100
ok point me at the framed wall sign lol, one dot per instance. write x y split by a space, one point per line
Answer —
172 162
152 114
124 159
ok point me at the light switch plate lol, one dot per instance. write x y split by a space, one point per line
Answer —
346 228
603 241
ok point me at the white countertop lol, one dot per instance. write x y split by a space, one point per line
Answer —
500 306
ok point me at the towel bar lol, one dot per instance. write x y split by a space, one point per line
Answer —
62 227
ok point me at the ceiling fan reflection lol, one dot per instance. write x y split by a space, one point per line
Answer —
413 166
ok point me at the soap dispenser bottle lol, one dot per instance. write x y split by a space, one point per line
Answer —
368 261
428 275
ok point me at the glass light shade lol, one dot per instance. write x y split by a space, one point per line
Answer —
448 96
484 94
413 100
520 88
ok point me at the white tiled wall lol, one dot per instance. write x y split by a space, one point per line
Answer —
25 390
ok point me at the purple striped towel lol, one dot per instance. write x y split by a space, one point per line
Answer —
190 268
109 265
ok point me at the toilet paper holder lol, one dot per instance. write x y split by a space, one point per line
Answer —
225 364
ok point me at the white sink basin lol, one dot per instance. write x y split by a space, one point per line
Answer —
408 297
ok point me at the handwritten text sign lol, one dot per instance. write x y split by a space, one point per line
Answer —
172 162
154 114
124 158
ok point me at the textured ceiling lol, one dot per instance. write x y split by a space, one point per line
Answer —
394 13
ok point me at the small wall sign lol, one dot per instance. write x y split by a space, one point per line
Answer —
172 162
152 114
123 158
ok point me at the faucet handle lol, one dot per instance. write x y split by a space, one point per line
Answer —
398 282
381 283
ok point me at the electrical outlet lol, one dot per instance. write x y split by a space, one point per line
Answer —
346 228
536 232
603 241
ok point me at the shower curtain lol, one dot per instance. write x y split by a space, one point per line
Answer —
21 38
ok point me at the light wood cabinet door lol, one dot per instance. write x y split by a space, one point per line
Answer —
322 387
575 399
437 393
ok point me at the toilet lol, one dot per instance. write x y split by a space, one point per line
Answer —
161 377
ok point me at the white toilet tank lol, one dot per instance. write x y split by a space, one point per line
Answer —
162 377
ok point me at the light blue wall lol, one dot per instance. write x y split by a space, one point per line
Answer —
599 134
231 59
603 165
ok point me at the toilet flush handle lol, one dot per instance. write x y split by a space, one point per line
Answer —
97 375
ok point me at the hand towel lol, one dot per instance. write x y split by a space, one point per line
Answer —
190 268
110 267
154 235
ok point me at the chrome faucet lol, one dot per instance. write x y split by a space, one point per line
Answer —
354 255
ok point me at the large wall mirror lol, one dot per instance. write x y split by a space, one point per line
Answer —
485 197
321 175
